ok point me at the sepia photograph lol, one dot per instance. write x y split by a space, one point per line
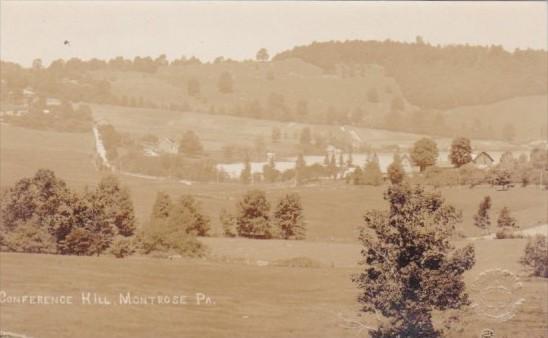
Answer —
273 169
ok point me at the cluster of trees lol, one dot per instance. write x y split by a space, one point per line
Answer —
370 175
536 255
506 224
41 214
252 217
478 74
178 166
62 80
173 227
64 117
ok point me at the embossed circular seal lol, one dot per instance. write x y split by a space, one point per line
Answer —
498 294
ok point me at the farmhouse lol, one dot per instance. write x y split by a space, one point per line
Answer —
407 164
483 160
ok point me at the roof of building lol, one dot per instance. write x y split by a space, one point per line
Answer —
483 153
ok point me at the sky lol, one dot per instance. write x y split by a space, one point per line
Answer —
236 30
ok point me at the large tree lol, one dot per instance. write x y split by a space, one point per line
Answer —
186 213
162 206
252 216
410 266
481 219
395 171
190 144
262 55
424 153
289 218
116 202
461 151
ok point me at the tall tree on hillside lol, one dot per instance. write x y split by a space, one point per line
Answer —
461 151
116 201
372 174
162 206
262 55
252 217
395 171
424 153
300 169
225 83
190 144
481 219
245 175
505 219
186 213
289 218
410 266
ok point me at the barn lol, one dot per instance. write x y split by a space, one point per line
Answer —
483 160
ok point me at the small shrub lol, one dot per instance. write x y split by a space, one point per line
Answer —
505 219
31 238
507 233
228 221
298 262
536 255
289 218
122 247
161 236
253 218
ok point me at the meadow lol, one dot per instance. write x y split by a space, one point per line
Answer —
333 210
269 288
251 301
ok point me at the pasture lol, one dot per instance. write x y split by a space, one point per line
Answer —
333 210
251 301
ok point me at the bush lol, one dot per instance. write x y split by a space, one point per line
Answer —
506 225
122 247
372 174
289 218
507 233
298 262
505 219
30 237
228 222
395 172
252 216
186 214
481 219
160 236
536 255
79 242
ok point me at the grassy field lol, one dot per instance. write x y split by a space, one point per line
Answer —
251 301
23 151
333 210
530 126
294 79
215 131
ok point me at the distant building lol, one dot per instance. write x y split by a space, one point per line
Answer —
407 164
168 146
165 145
483 160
